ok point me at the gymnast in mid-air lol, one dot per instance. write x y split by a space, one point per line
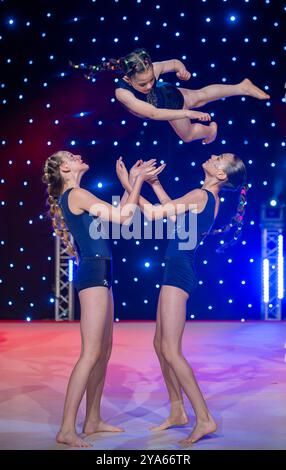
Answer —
141 92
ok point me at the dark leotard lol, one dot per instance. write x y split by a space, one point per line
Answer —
95 267
162 94
180 263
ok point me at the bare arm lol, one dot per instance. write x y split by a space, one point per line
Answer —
172 65
124 198
154 183
160 192
145 110
161 195
166 66
172 207
82 199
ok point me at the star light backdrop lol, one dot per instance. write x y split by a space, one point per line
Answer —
45 106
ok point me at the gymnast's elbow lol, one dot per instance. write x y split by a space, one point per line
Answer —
154 114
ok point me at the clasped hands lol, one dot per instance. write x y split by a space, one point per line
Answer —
147 171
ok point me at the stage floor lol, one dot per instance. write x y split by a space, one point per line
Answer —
241 368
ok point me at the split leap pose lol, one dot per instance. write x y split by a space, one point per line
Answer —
142 94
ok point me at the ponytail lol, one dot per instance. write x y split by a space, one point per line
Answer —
135 62
92 70
236 222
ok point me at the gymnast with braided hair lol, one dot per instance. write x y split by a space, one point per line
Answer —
72 210
142 94
225 171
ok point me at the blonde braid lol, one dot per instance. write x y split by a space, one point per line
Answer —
135 62
52 177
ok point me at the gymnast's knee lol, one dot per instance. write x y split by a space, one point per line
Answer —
108 352
188 138
157 345
169 352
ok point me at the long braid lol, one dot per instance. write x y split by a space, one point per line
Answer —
236 180
135 62
236 221
92 70
54 181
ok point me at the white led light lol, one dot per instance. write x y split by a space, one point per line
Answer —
266 280
280 269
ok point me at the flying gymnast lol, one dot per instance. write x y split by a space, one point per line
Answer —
227 172
70 208
142 94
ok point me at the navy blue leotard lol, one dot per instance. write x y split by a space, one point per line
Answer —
95 267
180 264
162 94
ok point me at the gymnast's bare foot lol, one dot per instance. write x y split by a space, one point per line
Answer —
248 88
212 133
171 421
202 428
99 426
71 439
178 417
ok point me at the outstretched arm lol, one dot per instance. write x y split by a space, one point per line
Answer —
154 183
124 199
161 194
159 191
146 110
123 175
173 207
83 200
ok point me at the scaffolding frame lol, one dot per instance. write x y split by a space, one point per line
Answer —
64 290
272 226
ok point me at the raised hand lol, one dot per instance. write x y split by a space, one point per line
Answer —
150 171
121 171
135 170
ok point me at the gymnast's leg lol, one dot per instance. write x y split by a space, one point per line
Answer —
178 415
93 422
94 313
173 315
202 96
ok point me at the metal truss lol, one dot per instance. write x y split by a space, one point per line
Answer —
272 224
64 290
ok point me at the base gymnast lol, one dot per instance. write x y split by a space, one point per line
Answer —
225 171
71 208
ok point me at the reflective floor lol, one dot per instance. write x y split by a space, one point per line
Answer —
240 367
